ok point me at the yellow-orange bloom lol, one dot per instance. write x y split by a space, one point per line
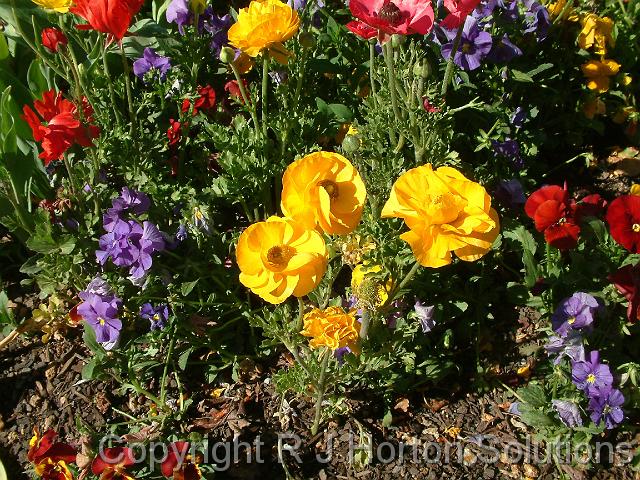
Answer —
365 289
323 190
49 469
635 189
445 212
333 328
598 73
264 26
593 107
279 258
60 6
596 33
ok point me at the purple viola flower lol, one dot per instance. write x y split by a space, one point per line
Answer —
514 408
218 27
518 118
510 193
178 12
181 234
339 353
425 315
398 308
102 316
592 376
607 407
568 413
157 315
570 346
278 76
475 45
145 241
117 245
503 51
536 19
201 220
129 199
151 62
574 313
97 286
509 149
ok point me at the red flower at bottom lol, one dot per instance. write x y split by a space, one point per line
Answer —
627 281
552 212
205 102
174 132
112 463
623 217
180 464
41 448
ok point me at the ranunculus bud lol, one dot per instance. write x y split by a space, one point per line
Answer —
397 40
307 40
227 55
198 6
351 143
422 69
52 38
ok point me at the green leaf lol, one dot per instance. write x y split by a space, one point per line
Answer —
341 112
533 395
387 420
519 76
535 417
6 315
4 48
539 69
187 287
184 358
3 472
87 370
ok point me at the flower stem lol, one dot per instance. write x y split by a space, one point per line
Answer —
127 80
300 321
321 388
72 180
245 98
407 278
372 78
112 94
387 50
265 91
449 71
365 321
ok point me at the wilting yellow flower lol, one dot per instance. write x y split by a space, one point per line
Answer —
596 33
323 190
368 290
353 248
244 63
558 7
61 6
279 258
263 26
332 328
593 107
445 213
598 73
635 189
50 469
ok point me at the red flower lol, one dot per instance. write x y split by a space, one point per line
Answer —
550 209
429 108
233 89
361 29
627 281
185 470
53 470
52 38
112 463
174 132
45 447
403 17
623 217
205 102
57 126
112 17
74 316
590 206
458 12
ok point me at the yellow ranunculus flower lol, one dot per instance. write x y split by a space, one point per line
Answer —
635 189
596 33
264 26
598 73
381 292
333 328
323 190
279 258
445 212
61 6
558 7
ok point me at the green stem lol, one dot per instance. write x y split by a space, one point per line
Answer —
449 71
163 386
372 79
321 388
365 321
127 82
112 94
300 321
72 180
246 99
387 50
265 92
407 278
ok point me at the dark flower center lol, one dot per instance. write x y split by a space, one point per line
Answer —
279 255
636 227
330 187
390 13
466 47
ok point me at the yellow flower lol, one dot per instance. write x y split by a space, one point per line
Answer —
61 6
598 73
558 7
364 288
626 80
596 33
332 328
53 469
279 258
445 213
323 190
635 189
593 107
263 26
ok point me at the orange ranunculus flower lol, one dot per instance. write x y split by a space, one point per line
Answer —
598 73
332 328
279 258
49 469
112 17
596 33
323 190
264 26
445 212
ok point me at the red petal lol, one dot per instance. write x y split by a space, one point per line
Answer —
537 198
562 236
548 213
361 29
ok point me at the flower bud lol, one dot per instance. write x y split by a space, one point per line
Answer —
422 69
52 38
397 40
198 6
227 55
350 144
307 40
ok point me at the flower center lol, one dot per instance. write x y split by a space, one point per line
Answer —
279 255
330 187
198 214
562 221
571 320
466 47
156 317
591 378
101 321
636 227
442 208
390 13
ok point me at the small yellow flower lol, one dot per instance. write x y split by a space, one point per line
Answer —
332 328
323 190
446 213
364 287
263 27
598 73
60 6
596 33
279 258
626 80
635 189
557 8
593 107
353 249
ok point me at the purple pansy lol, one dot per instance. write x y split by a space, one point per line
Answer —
568 413
509 149
178 12
181 234
574 313
503 50
569 346
425 315
518 117
102 316
536 19
475 45
592 376
116 244
218 27
510 193
157 315
151 62
607 407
